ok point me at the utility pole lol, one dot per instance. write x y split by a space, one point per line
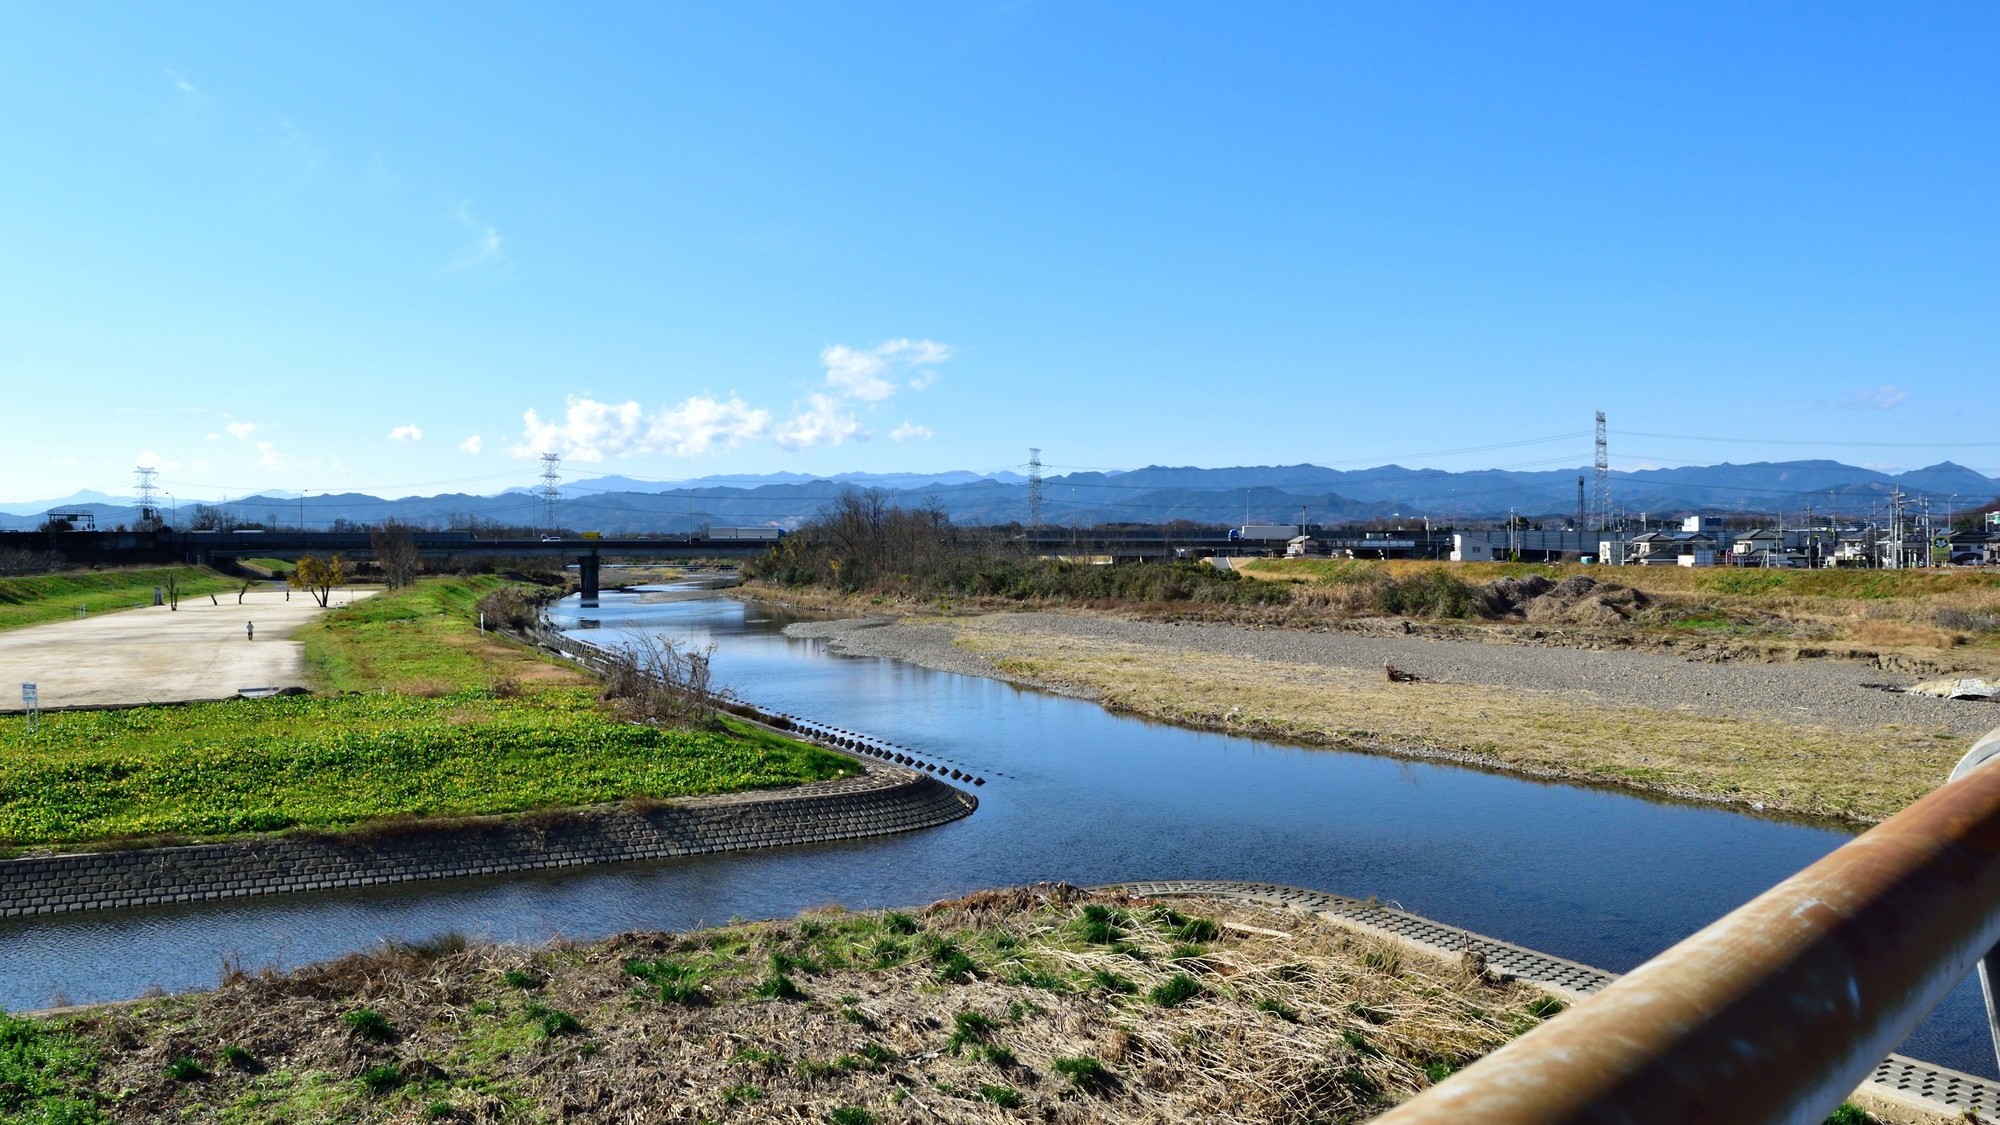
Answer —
1580 525
551 490
1035 490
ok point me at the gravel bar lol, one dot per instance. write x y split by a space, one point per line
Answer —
1827 693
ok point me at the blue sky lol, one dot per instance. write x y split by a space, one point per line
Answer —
355 249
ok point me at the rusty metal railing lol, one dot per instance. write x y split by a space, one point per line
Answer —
1779 1010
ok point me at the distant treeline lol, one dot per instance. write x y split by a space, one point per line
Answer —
862 544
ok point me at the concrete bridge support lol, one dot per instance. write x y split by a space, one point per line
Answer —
586 573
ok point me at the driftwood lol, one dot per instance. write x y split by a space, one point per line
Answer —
1398 676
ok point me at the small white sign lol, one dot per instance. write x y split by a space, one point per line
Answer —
30 694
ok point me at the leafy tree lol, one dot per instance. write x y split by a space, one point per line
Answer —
318 576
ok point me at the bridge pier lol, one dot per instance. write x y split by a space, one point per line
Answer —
586 572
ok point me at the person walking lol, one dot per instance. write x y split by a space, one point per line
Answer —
249 630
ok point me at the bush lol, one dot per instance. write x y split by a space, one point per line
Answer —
367 1023
652 679
1083 1071
511 607
1175 991
186 1069
1432 593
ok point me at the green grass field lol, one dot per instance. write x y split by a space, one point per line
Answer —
217 769
422 718
422 639
41 598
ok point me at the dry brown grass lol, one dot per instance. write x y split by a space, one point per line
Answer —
1292 1018
1912 620
1858 774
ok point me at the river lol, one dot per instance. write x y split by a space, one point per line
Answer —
1073 793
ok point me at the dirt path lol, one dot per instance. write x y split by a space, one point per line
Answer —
158 655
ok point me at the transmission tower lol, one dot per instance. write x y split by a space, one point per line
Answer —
149 505
1035 489
1600 499
551 490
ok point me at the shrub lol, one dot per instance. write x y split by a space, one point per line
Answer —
523 979
367 1023
850 1115
1175 991
1006 1097
552 1022
1083 1071
186 1069
381 1079
778 986
675 982
1966 620
1113 982
969 1028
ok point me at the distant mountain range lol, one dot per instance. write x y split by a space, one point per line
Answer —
1155 494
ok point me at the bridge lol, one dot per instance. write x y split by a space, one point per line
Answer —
114 548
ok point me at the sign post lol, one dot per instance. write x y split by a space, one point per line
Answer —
31 700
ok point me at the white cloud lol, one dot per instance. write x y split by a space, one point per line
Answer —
592 430
199 465
63 461
824 420
865 374
406 433
268 455
241 430
910 431
194 97
486 248
472 444
213 436
1875 398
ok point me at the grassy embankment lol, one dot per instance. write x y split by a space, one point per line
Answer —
1860 774
1030 1005
1952 614
42 598
419 717
269 568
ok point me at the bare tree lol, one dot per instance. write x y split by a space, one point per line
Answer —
395 544
654 679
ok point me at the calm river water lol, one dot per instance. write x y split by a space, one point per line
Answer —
1073 793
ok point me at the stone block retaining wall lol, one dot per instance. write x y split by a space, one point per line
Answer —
880 802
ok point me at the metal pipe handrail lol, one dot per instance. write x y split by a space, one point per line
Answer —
1778 1011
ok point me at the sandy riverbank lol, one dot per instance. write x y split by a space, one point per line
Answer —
1820 738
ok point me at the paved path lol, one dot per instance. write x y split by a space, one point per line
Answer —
157 655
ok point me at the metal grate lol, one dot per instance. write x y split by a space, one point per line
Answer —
1899 1078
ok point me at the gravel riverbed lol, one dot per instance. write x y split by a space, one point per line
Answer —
1813 692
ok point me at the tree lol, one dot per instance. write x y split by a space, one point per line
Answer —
318 576
395 544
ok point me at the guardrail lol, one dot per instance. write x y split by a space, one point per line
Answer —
1780 1009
